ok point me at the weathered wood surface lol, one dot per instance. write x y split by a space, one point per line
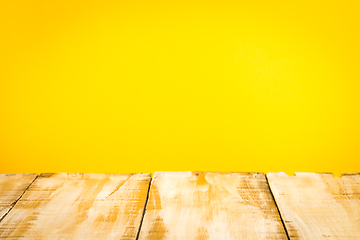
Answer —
318 206
12 186
198 205
79 206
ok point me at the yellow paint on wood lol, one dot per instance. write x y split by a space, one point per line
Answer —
207 205
79 206
318 206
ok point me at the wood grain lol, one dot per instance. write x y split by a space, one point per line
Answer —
79 206
318 206
12 186
206 205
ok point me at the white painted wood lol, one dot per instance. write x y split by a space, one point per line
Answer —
206 205
318 206
79 206
12 186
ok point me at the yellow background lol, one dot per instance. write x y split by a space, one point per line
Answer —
140 86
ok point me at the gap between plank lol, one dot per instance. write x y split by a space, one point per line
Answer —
277 207
145 206
12 205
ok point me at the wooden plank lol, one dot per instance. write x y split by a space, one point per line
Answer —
12 186
207 205
318 206
79 206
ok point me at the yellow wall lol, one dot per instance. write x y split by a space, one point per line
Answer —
140 86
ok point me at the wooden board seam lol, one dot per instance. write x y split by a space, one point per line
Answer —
12 205
145 206
277 207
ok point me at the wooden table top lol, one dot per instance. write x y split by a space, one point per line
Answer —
180 205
